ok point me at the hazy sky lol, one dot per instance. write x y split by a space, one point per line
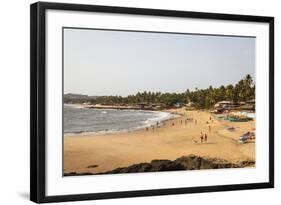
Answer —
120 63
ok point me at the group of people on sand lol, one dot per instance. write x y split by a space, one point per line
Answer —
153 127
186 121
203 137
208 123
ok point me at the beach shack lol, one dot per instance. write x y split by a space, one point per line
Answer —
248 105
222 104
227 105
158 106
190 104
251 104
177 105
142 105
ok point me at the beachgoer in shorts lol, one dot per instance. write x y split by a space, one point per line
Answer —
201 137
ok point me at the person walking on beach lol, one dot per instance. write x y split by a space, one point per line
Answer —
181 122
201 137
209 128
195 122
206 137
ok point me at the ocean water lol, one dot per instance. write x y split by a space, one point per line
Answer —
87 120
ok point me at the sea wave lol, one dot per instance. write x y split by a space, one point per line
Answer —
78 106
159 118
162 116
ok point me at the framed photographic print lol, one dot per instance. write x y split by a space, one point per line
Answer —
129 102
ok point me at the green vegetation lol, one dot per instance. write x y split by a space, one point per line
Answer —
201 98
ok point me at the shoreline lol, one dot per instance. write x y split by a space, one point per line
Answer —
133 129
174 139
115 107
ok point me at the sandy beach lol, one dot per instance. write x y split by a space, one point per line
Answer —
100 153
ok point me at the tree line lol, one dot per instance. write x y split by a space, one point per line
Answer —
243 90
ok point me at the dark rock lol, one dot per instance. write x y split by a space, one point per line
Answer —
92 166
190 162
77 174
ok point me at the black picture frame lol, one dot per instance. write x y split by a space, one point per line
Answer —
38 97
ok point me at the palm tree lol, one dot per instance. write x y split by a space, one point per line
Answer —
229 92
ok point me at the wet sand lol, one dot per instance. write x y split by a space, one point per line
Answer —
99 153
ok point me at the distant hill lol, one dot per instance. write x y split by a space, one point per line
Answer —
77 98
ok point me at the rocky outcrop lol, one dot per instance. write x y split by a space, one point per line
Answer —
77 173
190 162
